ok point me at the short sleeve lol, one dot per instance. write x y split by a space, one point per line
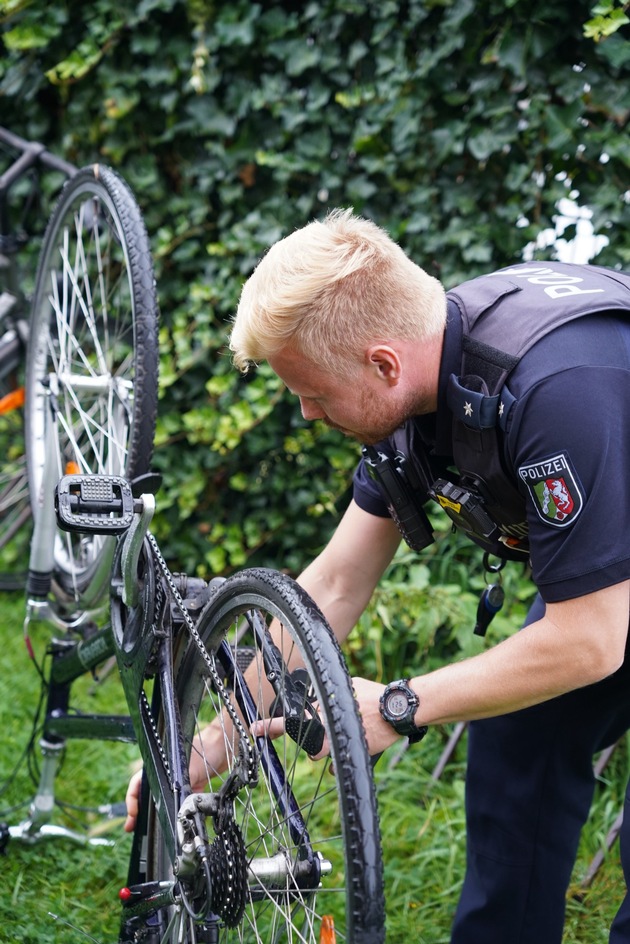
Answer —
569 446
367 494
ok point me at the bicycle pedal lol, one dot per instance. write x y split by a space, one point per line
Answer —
197 592
302 722
94 504
243 656
307 734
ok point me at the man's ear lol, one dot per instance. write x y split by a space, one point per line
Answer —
385 360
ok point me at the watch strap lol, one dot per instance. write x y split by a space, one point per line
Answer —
405 726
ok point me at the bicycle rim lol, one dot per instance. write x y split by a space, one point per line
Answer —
92 350
301 811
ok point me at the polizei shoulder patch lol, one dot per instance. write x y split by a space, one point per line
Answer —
554 490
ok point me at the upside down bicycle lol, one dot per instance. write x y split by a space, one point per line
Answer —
281 847
275 845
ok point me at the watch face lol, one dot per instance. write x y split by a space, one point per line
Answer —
397 704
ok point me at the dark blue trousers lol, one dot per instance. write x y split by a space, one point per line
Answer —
529 788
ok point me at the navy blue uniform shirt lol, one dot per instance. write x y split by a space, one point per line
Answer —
572 421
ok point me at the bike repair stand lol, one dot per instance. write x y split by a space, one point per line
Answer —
38 825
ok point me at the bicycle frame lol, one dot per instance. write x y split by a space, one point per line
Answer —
212 859
12 301
154 641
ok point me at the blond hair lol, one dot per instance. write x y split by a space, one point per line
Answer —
329 289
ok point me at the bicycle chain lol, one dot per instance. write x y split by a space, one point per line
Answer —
227 856
156 738
245 747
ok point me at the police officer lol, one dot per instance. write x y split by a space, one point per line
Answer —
521 381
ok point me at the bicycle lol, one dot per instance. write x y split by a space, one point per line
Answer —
15 234
281 847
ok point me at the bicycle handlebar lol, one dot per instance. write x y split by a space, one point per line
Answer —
32 153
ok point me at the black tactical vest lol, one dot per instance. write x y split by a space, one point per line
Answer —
503 315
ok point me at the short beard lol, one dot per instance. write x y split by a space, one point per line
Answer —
379 426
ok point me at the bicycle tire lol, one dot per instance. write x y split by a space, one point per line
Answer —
93 344
336 799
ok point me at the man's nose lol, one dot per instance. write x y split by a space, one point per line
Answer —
310 410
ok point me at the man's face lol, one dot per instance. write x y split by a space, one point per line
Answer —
363 408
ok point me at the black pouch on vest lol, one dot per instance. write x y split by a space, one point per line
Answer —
403 501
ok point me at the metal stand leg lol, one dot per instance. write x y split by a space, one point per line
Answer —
37 826
598 859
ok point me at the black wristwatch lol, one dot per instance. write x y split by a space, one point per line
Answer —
398 705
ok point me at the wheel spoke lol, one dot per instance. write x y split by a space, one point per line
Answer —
93 339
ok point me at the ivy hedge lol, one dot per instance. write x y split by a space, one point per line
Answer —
457 125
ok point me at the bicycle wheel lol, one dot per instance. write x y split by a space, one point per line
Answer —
299 851
93 350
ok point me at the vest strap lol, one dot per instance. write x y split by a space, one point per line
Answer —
506 402
473 407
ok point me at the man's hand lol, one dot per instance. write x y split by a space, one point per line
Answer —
207 758
132 800
379 734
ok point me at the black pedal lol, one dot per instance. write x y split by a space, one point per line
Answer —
309 735
301 721
94 504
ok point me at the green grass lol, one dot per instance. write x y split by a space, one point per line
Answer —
423 829
422 825
79 884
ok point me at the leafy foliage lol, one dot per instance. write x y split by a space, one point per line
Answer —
237 122
424 610
608 17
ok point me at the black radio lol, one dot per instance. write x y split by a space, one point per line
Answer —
403 502
464 506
